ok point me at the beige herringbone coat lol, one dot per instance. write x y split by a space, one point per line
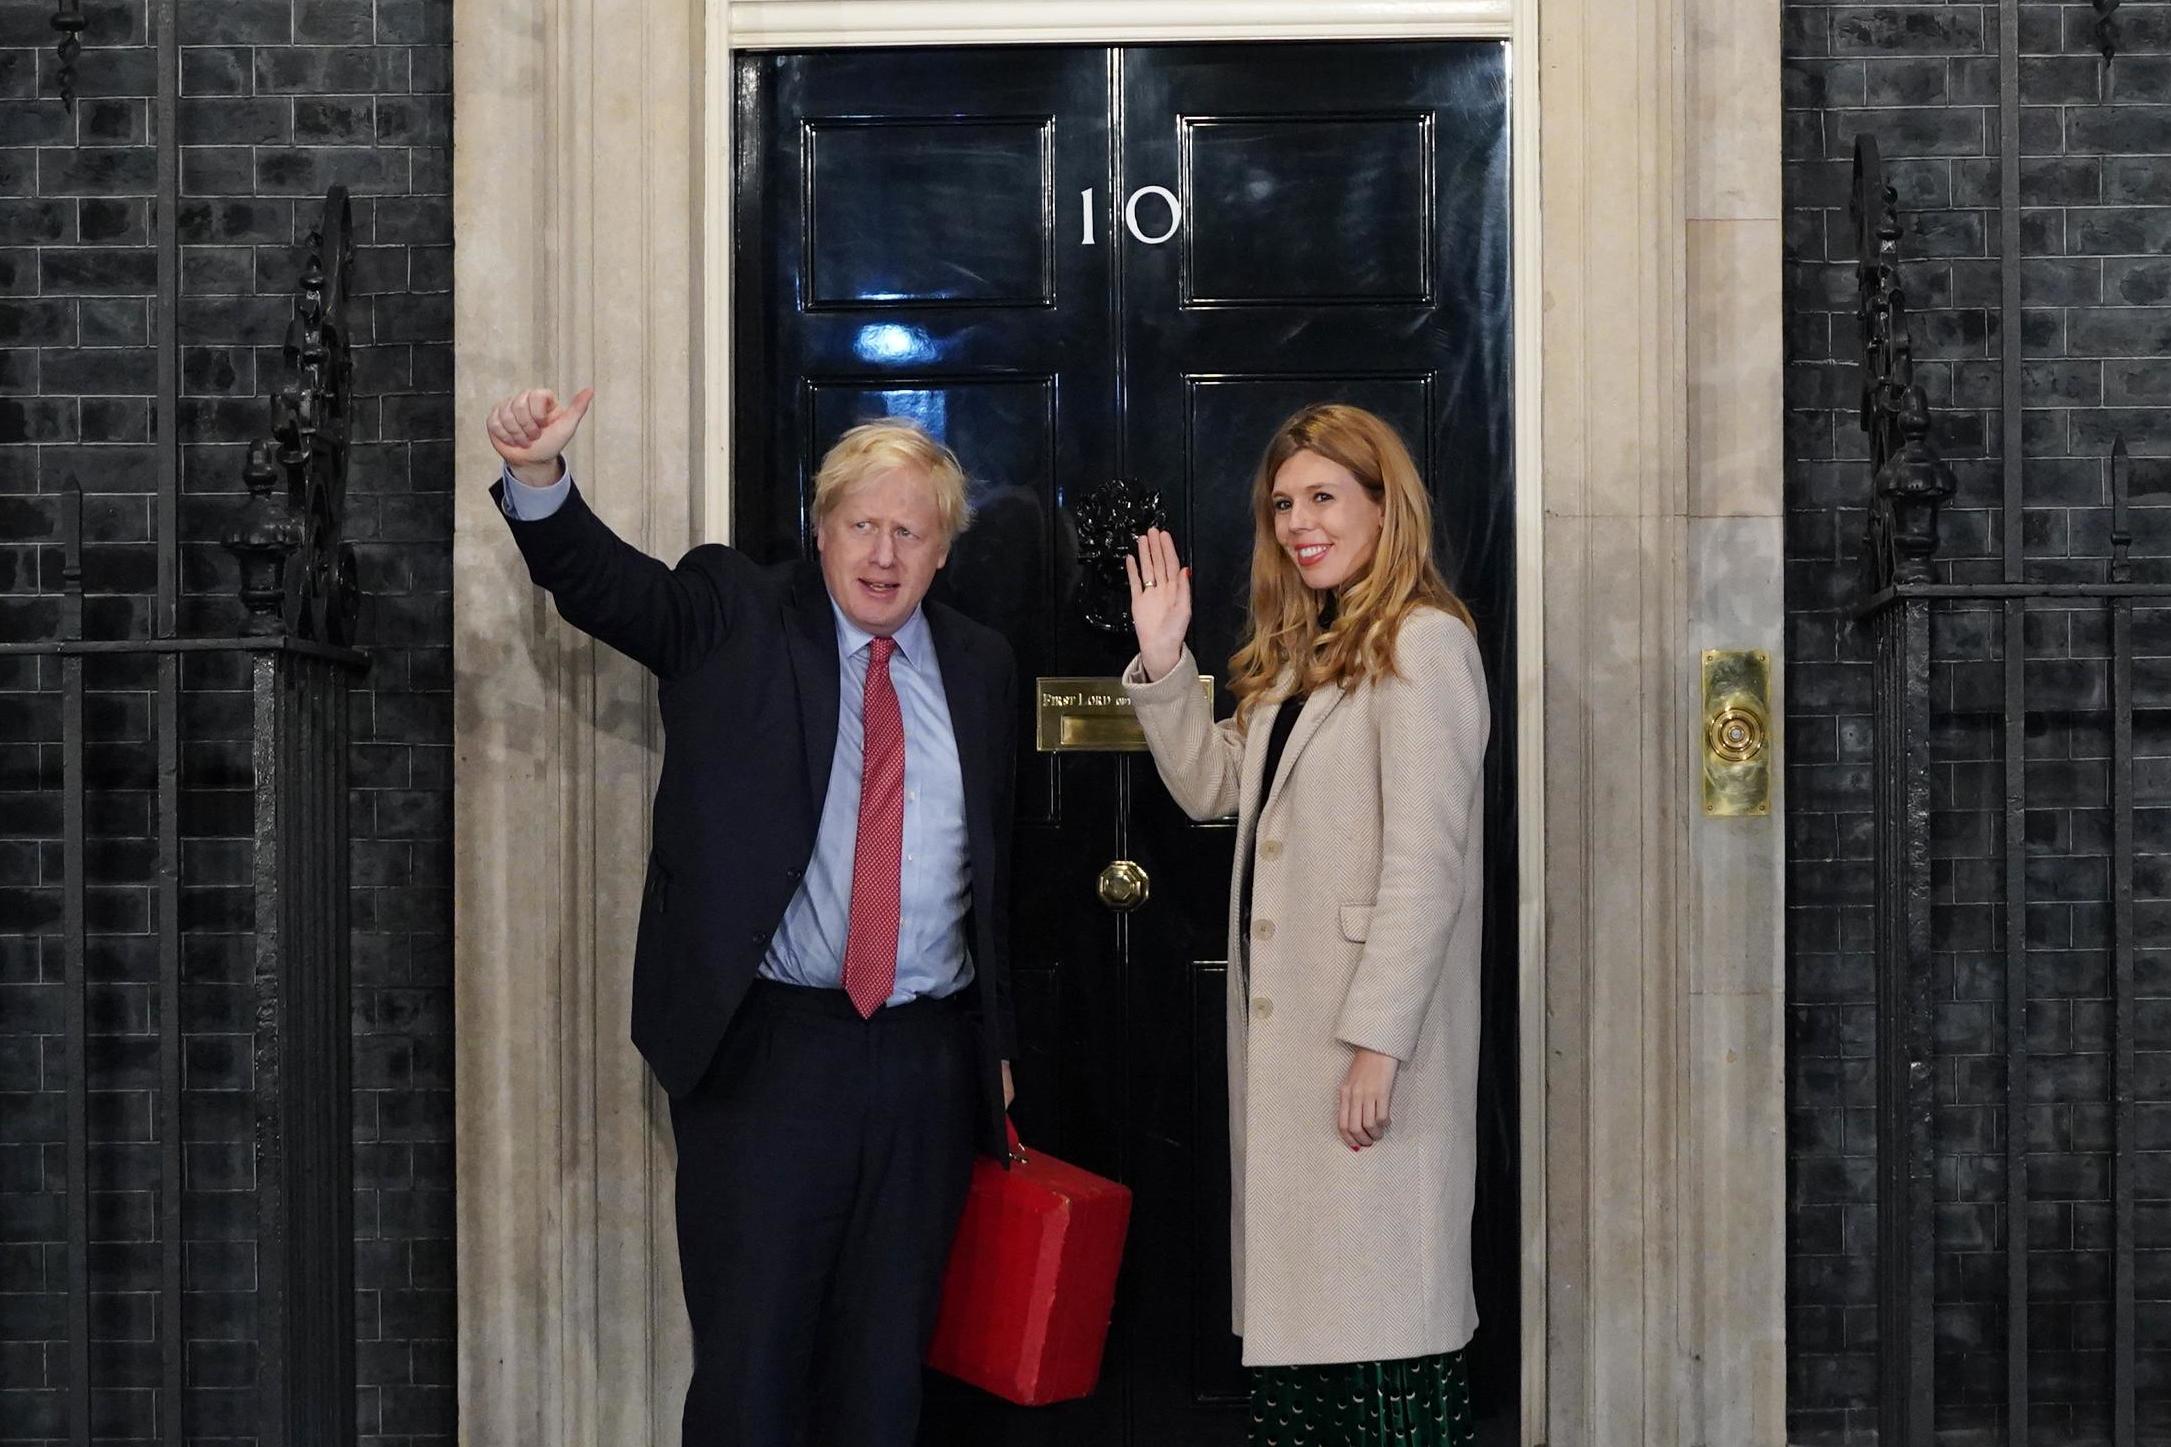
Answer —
1366 923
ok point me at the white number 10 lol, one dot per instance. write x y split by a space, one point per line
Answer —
1130 214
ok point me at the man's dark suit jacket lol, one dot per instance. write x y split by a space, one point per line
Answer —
746 662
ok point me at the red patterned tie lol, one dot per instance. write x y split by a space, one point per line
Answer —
870 940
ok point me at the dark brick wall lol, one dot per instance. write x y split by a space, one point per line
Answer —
281 98
2096 277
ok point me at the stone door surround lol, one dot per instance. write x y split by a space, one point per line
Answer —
592 182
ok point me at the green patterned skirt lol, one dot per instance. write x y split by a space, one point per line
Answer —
1420 1402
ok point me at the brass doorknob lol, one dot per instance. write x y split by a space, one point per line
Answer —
1124 886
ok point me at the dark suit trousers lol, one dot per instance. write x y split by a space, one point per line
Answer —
822 1165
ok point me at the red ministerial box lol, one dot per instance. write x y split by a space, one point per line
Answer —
1031 1279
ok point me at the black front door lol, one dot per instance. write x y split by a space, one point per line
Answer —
1103 276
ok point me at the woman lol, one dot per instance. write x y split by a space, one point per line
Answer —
1353 767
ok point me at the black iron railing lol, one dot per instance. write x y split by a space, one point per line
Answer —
1905 599
300 602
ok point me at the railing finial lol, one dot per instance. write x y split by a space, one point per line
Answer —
71 561
2107 28
2121 563
1910 480
68 20
297 576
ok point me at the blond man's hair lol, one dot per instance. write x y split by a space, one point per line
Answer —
880 445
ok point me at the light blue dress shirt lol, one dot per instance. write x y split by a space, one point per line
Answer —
936 870
526 504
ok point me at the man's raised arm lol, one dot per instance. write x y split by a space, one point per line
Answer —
663 618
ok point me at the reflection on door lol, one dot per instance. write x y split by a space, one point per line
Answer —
1092 269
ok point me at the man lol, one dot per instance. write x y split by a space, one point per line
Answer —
821 975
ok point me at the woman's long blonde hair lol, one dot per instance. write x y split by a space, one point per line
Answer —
1286 633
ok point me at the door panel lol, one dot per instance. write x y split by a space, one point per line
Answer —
896 234
897 255
1346 212
929 213
951 235
1257 191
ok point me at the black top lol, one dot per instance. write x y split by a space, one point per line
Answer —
1285 720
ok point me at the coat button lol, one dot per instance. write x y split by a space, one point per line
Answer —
1270 849
759 936
1262 1008
1263 930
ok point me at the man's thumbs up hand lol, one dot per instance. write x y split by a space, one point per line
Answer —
530 430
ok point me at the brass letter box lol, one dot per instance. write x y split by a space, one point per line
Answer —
1091 715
